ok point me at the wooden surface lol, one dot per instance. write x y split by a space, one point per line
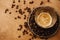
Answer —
9 25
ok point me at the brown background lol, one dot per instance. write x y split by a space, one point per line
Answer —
8 25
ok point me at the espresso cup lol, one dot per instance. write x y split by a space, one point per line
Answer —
43 21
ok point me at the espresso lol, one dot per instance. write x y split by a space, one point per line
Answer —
44 19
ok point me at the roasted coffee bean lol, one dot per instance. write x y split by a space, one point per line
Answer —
48 0
23 12
29 39
41 3
24 1
20 27
16 11
30 34
19 36
9 12
15 18
25 32
18 0
24 16
6 10
17 7
13 5
28 9
13 1
20 11
26 24
31 2
19 17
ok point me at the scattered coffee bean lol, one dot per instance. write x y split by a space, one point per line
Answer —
33 8
16 11
13 5
13 1
19 17
19 36
9 12
6 10
24 16
41 3
28 9
48 0
20 27
17 7
24 1
26 24
18 0
23 12
31 2
29 39
30 34
20 11
15 18
25 32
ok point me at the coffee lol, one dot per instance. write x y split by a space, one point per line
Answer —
44 19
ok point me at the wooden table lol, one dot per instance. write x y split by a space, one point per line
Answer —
11 19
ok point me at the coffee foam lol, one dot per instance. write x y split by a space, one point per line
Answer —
44 20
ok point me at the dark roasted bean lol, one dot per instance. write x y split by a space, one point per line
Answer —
23 12
6 10
24 16
13 1
26 25
17 7
20 27
30 34
19 17
48 0
31 2
16 11
13 5
15 18
18 0
24 1
9 12
41 3
25 32
29 39
19 36
20 11
28 9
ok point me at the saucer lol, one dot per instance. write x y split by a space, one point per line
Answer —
37 29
